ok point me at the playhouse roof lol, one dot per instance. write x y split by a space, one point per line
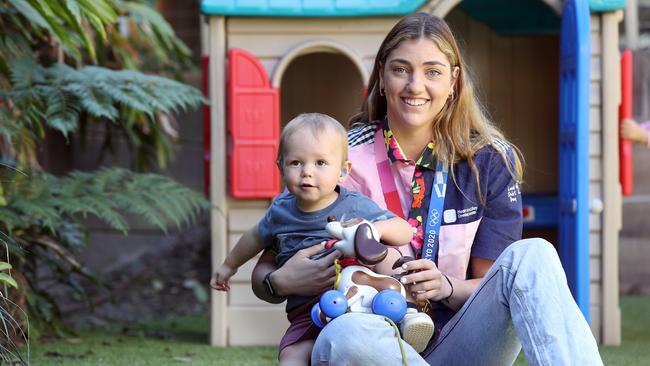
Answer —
310 8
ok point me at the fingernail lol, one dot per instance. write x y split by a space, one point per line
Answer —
403 280
404 266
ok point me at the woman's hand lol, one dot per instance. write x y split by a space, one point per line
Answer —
301 275
427 282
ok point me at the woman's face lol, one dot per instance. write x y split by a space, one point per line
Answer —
417 80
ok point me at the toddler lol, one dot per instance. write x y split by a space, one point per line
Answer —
312 159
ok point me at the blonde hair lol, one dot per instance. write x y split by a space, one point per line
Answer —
462 127
316 123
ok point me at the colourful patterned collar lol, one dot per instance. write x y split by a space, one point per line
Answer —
426 160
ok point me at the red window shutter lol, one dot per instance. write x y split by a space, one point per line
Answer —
254 128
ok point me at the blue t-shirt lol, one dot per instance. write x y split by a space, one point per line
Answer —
287 229
472 226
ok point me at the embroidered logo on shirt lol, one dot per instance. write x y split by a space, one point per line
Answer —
449 216
467 212
513 192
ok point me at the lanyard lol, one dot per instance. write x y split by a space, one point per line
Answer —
386 178
436 200
434 217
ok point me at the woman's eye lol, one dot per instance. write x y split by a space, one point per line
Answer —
399 70
433 73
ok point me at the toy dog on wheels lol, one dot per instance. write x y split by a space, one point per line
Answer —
359 289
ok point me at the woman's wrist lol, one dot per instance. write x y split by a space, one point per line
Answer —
275 279
270 286
451 289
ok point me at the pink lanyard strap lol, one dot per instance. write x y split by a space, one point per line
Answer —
386 177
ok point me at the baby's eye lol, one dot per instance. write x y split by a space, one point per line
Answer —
321 163
294 163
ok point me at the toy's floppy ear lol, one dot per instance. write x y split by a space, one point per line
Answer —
366 247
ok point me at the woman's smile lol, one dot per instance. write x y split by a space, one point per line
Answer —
413 102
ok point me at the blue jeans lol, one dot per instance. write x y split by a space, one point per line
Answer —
523 300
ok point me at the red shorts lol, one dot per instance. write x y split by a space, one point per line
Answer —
301 327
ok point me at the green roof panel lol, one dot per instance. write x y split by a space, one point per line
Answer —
514 17
310 8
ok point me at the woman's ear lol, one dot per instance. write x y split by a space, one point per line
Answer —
454 73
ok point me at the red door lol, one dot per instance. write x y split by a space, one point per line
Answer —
254 128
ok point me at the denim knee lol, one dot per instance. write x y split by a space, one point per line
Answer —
534 249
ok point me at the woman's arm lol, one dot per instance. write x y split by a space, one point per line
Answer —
300 275
395 231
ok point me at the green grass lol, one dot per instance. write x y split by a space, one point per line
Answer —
184 341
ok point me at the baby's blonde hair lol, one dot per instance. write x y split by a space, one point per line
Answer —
316 123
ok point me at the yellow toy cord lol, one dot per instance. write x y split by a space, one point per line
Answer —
337 268
399 340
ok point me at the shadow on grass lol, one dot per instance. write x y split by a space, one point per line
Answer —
184 329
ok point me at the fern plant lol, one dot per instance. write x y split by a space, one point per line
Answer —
11 331
66 64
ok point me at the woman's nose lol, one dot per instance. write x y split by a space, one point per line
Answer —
416 84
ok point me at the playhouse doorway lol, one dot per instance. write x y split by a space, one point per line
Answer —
515 67
323 82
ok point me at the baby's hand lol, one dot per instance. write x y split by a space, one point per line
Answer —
221 276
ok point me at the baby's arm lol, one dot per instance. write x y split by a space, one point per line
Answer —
246 248
395 231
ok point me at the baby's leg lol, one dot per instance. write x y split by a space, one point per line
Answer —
298 353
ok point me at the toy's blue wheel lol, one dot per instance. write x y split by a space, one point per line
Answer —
390 304
315 316
333 303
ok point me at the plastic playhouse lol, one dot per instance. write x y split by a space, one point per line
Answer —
548 72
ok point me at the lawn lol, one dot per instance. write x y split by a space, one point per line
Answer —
184 341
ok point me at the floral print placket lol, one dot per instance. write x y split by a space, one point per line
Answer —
422 177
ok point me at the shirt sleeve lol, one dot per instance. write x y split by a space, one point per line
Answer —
266 227
502 222
366 208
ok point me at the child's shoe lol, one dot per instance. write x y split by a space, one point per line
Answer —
416 329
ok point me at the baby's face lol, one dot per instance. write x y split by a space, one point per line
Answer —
312 168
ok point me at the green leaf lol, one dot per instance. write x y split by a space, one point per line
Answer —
8 280
5 266
31 14
74 9
100 9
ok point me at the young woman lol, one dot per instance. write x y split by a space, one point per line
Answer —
427 152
